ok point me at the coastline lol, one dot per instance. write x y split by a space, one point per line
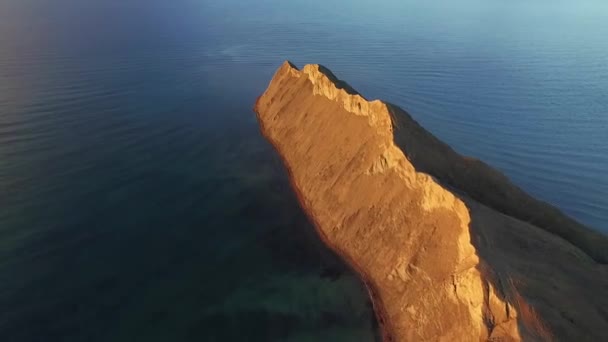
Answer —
430 269
384 329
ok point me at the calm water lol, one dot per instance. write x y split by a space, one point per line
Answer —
139 202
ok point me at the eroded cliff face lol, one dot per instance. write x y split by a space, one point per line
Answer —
441 257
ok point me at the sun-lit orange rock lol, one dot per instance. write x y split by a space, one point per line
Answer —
450 250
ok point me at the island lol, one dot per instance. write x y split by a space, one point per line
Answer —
448 247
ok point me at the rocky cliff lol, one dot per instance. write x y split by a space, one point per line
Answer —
449 248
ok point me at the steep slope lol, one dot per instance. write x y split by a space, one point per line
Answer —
449 249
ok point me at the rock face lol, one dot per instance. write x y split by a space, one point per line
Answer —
450 250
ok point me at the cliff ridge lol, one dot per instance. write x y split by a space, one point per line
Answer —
449 248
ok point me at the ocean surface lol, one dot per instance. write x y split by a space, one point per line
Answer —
138 201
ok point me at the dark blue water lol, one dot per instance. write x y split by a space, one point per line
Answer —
138 200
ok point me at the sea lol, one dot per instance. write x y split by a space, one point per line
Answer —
139 201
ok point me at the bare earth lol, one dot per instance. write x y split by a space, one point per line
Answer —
449 248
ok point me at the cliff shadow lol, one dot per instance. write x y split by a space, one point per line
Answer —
527 259
338 82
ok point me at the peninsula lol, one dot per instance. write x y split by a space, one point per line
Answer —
448 247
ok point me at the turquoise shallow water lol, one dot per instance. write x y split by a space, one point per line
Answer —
139 202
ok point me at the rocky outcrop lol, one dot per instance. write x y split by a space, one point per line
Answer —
450 249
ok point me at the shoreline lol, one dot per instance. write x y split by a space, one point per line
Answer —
430 236
378 307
